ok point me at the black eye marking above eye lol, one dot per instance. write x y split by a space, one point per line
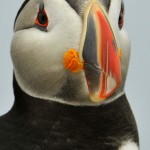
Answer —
21 8
41 7
121 17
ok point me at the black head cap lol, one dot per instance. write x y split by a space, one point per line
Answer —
78 5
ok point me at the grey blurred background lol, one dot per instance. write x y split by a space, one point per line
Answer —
137 22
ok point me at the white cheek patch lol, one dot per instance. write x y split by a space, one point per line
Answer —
125 45
38 56
129 145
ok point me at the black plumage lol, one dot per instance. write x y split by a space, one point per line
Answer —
35 124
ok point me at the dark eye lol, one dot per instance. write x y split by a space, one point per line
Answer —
121 17
42 20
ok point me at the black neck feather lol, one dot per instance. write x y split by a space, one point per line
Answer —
34 123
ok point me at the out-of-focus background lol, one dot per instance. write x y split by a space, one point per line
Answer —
137 22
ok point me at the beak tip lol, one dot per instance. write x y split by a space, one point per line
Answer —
96 99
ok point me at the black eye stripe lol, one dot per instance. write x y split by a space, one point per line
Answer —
21 8
122 6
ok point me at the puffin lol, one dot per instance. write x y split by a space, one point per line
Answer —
70 60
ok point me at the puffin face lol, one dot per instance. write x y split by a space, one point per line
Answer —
45 29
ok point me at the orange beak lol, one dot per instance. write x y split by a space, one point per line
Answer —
100 53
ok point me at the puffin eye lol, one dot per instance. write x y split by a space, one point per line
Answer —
42 19
121 17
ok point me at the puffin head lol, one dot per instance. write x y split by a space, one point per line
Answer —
45 30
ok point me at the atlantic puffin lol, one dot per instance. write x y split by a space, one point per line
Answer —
70 61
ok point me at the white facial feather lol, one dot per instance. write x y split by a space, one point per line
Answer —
38 56
129 145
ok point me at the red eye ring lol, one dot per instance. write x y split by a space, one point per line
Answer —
42 19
